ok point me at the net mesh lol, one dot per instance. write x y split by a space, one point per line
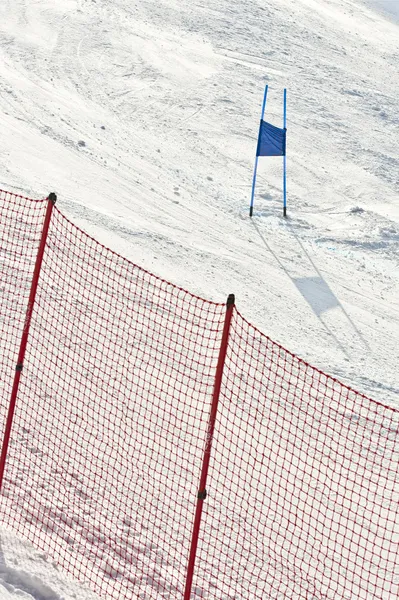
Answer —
110 420
21 224
111 423
305 476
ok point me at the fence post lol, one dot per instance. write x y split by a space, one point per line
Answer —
208 444
25 333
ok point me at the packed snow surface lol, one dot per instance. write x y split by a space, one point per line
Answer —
143 117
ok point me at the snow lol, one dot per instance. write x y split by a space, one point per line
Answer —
29 574
143 117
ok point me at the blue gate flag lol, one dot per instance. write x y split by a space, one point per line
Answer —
271 140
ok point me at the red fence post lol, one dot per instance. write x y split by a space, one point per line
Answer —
25 333
208 444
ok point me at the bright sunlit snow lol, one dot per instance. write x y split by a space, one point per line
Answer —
143 117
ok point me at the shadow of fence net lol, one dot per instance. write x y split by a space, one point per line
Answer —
111 422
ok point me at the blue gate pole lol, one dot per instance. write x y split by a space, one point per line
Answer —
251 208
285 157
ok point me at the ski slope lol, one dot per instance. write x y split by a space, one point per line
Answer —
143 117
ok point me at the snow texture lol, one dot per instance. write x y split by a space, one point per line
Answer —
143 117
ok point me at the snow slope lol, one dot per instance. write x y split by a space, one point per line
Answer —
143 117
389 8
166 98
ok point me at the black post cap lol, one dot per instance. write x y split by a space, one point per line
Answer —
231 300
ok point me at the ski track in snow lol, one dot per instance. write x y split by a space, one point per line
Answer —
143 117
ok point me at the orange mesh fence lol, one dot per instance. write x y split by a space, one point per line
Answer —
111 428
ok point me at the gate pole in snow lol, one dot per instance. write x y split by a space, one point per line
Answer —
251 208
285 158
25 333
208 444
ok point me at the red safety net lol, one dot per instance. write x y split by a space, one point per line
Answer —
111 423
305 473
21 224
